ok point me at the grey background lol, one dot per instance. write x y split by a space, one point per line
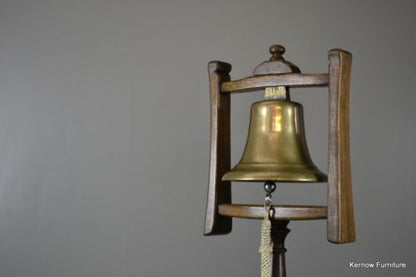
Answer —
104 130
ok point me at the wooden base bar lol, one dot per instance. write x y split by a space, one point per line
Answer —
282 212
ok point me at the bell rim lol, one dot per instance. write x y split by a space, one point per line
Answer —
284 173
321 179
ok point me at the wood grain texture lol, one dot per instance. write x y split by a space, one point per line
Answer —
219 192
275 67
282 212
341 228
290 79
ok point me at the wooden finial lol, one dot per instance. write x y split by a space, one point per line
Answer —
276 64
277 52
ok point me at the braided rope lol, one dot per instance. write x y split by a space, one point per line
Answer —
266 247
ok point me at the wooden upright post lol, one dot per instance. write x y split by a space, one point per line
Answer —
219 192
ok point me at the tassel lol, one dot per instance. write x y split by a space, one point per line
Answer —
266 246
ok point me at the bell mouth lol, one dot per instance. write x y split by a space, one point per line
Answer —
278 173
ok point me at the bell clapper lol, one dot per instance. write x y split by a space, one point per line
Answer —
269 188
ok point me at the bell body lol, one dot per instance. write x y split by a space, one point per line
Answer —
276 147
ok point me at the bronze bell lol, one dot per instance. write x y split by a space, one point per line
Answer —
276 148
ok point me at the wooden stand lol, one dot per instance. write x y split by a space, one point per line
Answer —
275 73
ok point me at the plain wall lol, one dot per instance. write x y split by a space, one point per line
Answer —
104 134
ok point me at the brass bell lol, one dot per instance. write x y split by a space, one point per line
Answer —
276 147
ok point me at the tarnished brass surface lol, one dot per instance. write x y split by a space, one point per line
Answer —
276 148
